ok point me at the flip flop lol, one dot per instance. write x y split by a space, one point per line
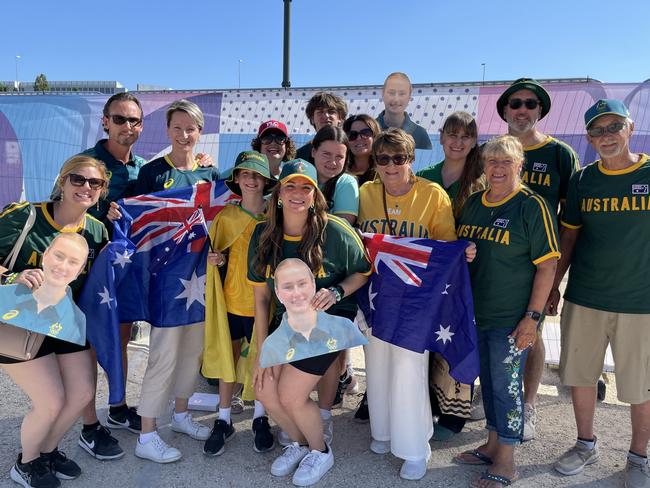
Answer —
478 458
502 480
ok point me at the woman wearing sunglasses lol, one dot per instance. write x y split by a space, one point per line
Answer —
361 130
400 204
274 142
174 352
59 380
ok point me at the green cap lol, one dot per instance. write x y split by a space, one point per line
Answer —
299 167
252 161
605 107
525 84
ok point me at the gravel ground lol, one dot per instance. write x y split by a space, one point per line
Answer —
356 465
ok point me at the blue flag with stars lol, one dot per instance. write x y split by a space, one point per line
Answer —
419 297
153 270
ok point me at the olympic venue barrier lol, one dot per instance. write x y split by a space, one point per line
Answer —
39 132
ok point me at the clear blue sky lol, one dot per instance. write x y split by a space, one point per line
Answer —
198 44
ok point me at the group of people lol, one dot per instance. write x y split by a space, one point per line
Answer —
297 210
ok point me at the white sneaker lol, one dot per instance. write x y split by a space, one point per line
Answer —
328 430
413 470
289 459
191 427
283 438
157 450
530 418
313 467
380 447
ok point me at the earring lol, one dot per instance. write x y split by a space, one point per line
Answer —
279 203
98 205
311 208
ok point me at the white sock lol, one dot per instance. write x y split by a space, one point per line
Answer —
588 444
224 414
259 410
325 414
144 438
179 417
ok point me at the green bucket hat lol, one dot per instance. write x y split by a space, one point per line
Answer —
252 161
299 167
525 84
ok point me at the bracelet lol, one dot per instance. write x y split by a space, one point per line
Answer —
338 291
9 278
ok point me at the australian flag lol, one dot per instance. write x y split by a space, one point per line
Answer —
419 298
153 270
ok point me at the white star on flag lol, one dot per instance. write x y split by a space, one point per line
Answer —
194 290
447 285
122 259
371 296
106 297
444 334
191 235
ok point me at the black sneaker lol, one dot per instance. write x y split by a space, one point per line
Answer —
100 444
125 418
216 443
60 466
34 474
344 381
264 440
362 416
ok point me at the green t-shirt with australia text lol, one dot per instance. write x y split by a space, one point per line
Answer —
512 236
610 266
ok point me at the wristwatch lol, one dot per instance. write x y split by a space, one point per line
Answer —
338 292
536 316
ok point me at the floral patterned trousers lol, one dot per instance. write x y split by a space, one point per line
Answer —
502 369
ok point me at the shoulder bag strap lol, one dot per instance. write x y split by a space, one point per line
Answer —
10 260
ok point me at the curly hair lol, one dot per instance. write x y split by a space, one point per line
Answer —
310 249
326 100
290 153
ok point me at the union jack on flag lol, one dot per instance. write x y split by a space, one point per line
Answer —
187 227
419 298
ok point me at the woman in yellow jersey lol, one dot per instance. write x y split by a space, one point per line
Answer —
59 380
401 204
230 311
299 226
511 279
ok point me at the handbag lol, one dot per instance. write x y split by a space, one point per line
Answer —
17 343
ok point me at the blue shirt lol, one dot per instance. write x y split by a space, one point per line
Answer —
331 334
419 133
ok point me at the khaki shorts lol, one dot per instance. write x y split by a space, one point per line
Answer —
586 332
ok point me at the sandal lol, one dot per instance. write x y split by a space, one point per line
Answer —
474 458
502 480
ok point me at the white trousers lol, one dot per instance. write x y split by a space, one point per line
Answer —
398 399
173 367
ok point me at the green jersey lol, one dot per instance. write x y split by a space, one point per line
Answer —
122 177
548 168
611 260
512 236
343 255
41 235
434 173
161 174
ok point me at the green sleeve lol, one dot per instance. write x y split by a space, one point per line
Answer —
12 221
356 258
568 165
143 185
541 227
572 217
254 274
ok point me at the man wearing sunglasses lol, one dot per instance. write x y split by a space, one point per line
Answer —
548 166
605 238
322 109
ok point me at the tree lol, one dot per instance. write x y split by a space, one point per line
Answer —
3 87
41 84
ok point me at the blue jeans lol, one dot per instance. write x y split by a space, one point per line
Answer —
502 367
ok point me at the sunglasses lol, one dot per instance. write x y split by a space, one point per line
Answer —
364 133
530 103
612 128
271 138
121 120
78 180
396 159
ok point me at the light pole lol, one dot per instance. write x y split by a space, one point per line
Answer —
483 64
16 85
239 73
